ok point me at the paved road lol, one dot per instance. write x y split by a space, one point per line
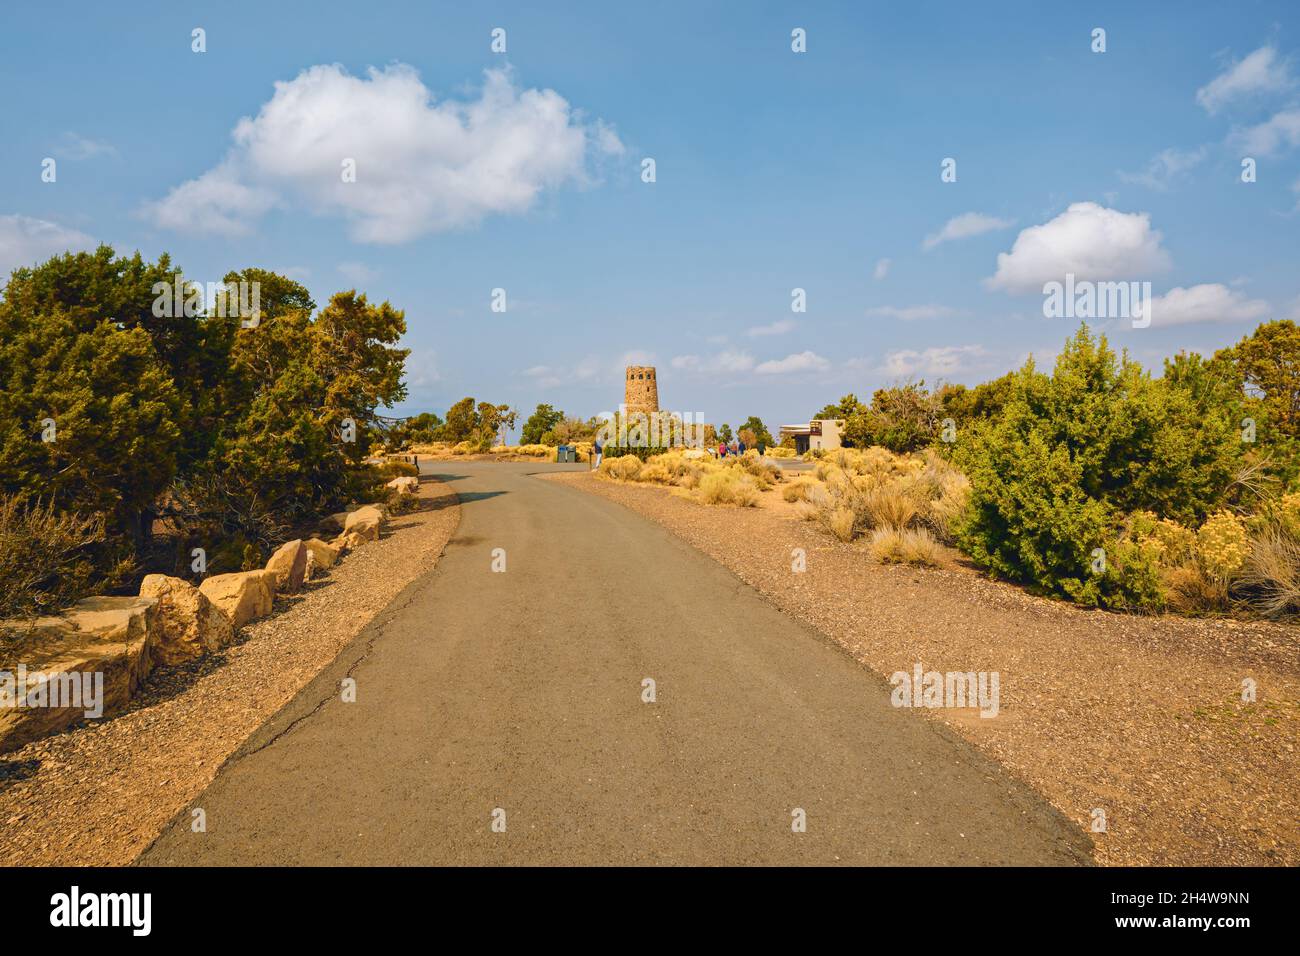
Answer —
522 691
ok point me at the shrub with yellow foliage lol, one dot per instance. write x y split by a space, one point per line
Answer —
733 481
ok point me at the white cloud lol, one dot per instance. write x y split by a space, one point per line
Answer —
779 327
882 268
216 203
943 360
422 368
25 241
591 370
796 362
1210 302
422 165
1089 240
1283 130
965 226
1165 167
76 147
358 272
912 313
723 362
1260 72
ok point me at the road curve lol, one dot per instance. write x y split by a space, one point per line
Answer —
521 691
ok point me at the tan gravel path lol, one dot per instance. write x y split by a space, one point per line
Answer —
1139 717
99 794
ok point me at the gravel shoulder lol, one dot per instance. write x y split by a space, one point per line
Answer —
1138 717
101 793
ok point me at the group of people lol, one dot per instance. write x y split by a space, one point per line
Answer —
734 447
737 447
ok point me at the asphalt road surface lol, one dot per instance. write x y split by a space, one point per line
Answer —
485 697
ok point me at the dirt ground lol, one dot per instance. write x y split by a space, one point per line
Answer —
1139 720
100 793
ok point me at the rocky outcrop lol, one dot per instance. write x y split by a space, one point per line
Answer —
243 595
84 663
288 565
189 624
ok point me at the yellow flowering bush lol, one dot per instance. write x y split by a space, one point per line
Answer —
1222 545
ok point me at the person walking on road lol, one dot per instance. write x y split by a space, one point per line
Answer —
599 448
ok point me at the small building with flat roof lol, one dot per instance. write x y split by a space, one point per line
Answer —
821 433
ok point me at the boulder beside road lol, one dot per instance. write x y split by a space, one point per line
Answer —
288 565
90 658
405 484
189 624
243 595
364 524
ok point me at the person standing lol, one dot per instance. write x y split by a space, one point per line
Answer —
740 447
599 448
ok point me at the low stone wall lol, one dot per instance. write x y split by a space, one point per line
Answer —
87 662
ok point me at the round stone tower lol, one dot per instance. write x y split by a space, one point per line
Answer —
641 392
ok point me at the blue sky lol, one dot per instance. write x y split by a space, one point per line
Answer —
775 170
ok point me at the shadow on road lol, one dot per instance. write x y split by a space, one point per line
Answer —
466 497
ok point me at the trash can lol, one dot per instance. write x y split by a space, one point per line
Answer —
566 454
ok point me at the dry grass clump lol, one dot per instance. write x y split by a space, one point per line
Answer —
798 489
728 486
779 452
525 451
623 468
45 556
856 491
838 506
915 546
890 505
764 475
1269 579
735 481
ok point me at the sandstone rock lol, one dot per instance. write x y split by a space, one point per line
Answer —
289 566
189 624
405 484
268 582
347 542
365 523
324 554
312 568
334 522
243 596
107 639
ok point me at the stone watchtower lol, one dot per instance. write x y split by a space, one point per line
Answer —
641 392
